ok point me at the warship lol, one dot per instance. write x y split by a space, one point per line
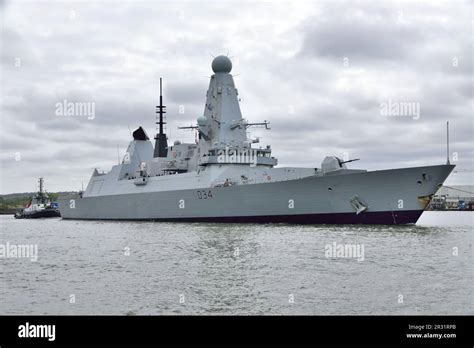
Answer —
40 206
225 176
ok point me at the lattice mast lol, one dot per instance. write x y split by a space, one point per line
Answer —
161 143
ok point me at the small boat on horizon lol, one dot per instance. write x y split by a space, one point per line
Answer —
40 206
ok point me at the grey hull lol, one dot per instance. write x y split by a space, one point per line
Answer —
395 196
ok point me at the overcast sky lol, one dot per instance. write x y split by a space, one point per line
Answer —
320 72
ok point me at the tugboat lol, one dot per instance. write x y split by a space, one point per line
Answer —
40 206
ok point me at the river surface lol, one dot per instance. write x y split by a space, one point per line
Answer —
127 268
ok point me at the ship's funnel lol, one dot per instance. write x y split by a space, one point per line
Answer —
140 134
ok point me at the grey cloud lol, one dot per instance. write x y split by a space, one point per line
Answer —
186 93
286 57
371 33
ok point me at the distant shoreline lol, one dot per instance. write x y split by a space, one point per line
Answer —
7 212
10 203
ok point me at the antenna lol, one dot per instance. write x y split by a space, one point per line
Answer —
161 109
447 142
118 154
161 144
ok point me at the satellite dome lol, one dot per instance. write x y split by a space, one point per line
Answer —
221 64
202 120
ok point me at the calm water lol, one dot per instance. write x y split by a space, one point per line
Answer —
173 268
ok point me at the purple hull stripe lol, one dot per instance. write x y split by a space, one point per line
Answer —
374 218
